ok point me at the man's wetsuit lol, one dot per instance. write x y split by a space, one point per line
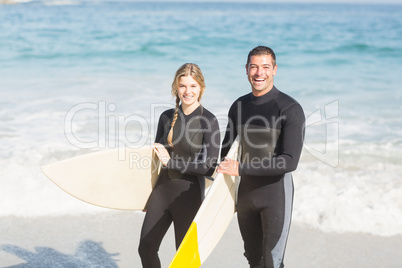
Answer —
271 131
180 187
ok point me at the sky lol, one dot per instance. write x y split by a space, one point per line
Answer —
340 1
268 1
301 1
346 1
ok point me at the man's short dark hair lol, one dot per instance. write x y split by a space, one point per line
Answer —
262 50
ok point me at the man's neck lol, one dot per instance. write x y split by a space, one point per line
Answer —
259 93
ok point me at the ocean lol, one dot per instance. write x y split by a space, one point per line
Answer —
84 76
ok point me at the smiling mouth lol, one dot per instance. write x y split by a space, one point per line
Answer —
259 80
188 97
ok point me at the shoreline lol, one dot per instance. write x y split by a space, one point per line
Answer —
111 240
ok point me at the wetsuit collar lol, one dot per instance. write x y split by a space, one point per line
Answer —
270 95
197 111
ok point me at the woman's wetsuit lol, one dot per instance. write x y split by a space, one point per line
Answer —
271 131
180 187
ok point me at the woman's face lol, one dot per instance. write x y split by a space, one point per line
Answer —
188 91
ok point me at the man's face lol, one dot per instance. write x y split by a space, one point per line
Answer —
260 72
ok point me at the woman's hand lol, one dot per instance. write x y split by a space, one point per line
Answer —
161 152
229 166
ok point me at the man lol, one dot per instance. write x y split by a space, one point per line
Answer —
270 125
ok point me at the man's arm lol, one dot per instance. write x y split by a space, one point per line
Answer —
231 132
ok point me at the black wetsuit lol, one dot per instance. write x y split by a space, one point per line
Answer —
271 131
180 188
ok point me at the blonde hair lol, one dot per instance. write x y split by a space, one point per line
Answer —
195 72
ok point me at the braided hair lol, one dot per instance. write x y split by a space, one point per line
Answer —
195 72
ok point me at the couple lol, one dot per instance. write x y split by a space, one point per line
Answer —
270 125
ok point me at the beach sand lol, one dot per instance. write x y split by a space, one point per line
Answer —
110 239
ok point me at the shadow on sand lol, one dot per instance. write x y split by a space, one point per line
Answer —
88 254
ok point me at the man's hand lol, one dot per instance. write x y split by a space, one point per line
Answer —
161 152
229 166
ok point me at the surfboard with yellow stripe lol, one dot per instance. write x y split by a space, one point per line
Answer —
211 221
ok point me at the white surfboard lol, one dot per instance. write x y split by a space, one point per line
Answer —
211 221
110 178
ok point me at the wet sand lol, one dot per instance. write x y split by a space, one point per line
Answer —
110 239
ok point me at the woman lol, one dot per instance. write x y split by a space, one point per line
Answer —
187 143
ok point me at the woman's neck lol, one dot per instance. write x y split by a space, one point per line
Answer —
188 109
